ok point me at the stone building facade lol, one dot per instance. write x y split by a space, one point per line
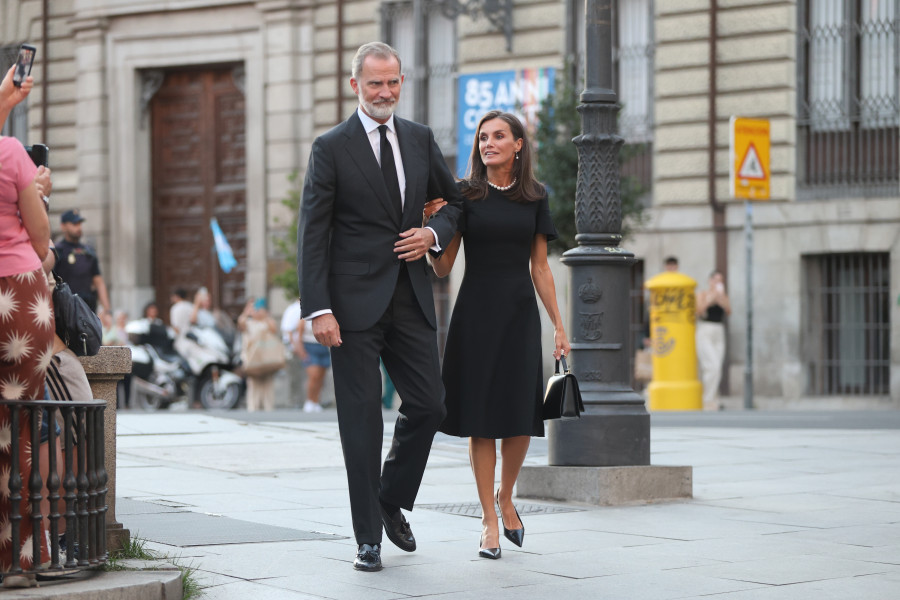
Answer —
162 116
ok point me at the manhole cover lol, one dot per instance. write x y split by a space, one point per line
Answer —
473 509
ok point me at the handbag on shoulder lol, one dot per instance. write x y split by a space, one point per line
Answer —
264 355
562 400
76 324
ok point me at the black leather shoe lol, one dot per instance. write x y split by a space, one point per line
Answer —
516 536
368 558
398 530
492 553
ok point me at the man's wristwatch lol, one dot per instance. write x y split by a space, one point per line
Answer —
46 200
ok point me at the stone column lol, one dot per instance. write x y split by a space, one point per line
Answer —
288 53
104 372
91 139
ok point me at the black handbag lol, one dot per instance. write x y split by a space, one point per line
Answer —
76 324
562 400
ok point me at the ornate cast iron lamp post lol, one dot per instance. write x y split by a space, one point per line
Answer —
615 430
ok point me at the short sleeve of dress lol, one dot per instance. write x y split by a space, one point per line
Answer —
18 169
544 224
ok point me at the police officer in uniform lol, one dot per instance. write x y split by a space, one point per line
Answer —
78 265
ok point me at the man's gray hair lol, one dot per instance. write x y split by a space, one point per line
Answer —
376 49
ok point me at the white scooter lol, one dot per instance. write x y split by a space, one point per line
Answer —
159 376
212 359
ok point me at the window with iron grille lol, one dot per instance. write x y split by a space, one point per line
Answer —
849 98
17 123
633 65
846 343
426 41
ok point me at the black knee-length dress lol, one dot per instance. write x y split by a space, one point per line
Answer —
492 361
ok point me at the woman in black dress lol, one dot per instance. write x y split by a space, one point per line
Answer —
492 361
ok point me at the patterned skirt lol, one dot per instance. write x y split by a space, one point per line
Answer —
26 348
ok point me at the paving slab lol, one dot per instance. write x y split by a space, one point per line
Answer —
778 513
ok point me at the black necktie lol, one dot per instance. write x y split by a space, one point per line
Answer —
389 170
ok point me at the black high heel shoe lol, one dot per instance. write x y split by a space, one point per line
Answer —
492 553
516 536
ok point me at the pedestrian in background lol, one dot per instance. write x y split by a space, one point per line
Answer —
712 307
180 312
255 324
78 264
317 360
26 322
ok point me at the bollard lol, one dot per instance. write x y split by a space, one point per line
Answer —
104 371
672 328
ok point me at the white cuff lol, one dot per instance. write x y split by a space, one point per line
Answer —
437 246
318 313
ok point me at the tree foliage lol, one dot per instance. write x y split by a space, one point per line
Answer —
557 166
287 245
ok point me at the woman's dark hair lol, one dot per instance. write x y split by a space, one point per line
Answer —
526 188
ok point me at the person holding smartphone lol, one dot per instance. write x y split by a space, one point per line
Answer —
712 307
26 316
11 94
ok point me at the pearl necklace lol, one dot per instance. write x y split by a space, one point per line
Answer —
502 188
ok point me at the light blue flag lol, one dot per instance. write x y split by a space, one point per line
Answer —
226 256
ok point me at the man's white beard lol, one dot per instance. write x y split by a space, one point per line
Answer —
382 110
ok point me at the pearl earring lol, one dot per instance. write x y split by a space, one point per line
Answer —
517 156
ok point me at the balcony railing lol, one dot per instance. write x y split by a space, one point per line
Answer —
64 489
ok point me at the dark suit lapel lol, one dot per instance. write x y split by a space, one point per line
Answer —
360 151
412 155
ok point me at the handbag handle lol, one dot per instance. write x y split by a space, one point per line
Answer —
565 366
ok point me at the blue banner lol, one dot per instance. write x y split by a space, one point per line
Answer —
223 249
519 92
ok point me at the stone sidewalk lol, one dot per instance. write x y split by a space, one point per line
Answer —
260 509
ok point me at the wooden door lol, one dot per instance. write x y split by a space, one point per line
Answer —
198 173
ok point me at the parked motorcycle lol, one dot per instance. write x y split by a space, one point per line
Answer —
159 375
212 355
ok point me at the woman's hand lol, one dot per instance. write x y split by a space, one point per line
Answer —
562 344
431 207
10 95
42 181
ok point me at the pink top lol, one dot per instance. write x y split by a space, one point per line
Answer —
17 171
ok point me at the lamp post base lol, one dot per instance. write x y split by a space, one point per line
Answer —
601 438
606 486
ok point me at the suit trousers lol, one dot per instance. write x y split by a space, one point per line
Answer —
407 344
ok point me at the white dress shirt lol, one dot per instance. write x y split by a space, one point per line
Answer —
371 127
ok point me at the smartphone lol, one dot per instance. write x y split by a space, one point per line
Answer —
23 64
40 154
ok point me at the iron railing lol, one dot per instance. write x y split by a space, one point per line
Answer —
77 485
847 326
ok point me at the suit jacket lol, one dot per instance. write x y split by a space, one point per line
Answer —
348 225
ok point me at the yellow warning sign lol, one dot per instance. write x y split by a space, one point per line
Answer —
749 163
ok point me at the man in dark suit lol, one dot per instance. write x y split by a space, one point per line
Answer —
365 285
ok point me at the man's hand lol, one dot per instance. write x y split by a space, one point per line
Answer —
414 243
327 331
